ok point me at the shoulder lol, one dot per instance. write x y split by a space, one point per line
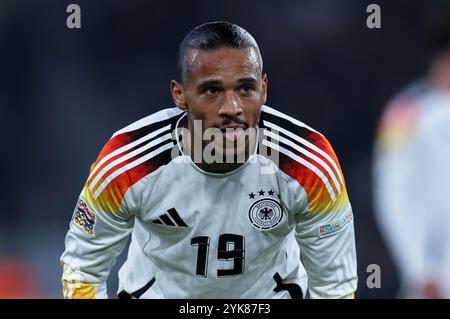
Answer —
400 117
131 154
156 120
306 156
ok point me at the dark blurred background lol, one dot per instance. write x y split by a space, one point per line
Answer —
65 91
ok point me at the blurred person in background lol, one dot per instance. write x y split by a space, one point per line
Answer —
411 174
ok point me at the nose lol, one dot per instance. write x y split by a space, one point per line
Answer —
231 106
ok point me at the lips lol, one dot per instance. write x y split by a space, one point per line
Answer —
232 133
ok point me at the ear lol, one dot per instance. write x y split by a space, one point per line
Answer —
264 88
176 89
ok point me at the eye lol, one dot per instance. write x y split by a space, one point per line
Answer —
246 89
212 90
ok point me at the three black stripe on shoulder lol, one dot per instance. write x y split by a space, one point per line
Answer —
140 132
303 132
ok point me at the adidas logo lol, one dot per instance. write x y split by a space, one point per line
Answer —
170 219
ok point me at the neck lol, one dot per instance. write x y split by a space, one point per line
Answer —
219 168
223 166
226 164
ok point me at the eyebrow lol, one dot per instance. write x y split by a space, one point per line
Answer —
205 84
247 80
208 83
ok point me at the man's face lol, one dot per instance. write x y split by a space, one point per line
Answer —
224 89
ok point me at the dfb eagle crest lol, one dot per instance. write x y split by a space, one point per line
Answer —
265 214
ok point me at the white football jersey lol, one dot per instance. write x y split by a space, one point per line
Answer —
268 229
411 174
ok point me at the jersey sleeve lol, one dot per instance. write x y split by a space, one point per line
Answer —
399 186
105 213
323 216
101 223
